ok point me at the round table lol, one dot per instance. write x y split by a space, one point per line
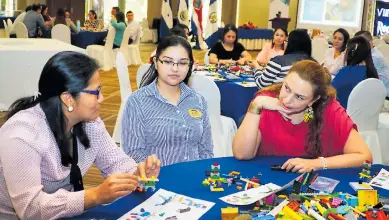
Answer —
186 178
85 38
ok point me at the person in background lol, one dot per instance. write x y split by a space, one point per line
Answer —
185 28
45 14
229 50
28 8
275 48
381 65
119 24
34 20
67 14
359 66
50 140
92 21
299 48
133 26
334 57
165 116
60 18
301 118
115 11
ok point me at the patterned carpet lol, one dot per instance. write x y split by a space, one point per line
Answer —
112 100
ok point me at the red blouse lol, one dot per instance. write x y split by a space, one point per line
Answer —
282 138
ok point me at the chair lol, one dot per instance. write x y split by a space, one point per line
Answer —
364 105
123 46
104 54
206 57
319 48
383 131
6 29
223 128
377 42
10 25
384 49
147 35
21 30
125 91
141 71
133 51
61 32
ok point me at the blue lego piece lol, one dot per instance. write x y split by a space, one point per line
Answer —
264 217
342 209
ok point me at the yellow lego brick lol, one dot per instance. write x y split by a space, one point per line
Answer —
217 190
367 197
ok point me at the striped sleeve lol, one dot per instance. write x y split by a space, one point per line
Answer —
206 142
133 140
269 76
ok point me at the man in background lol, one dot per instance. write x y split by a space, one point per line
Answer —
34 20
133 26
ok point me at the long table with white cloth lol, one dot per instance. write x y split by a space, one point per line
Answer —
21 64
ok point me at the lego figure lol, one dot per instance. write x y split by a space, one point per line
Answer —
215 171
364 176
146 183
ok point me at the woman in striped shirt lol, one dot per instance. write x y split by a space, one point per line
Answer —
299 48
166 117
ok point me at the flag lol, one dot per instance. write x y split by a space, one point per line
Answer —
212 25
197 28
166 20
183 12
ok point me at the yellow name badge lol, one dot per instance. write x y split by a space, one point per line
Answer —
194 113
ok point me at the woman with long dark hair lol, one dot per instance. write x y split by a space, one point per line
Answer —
298 48
359 66
275 48
334 57
61 19
50 140
301 118
165 116
229 50
45 13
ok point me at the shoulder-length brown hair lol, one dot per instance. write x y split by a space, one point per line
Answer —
320 80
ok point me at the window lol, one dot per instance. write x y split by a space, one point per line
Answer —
139 7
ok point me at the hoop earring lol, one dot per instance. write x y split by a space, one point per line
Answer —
70 108
308 114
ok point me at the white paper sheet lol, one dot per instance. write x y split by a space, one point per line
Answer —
381 180
168 205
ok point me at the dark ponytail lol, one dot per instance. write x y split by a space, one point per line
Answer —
64 72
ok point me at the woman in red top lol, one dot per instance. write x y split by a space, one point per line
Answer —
329 137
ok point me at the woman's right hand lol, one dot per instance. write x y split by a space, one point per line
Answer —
115 186
273 104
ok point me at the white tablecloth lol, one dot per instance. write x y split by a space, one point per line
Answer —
21 64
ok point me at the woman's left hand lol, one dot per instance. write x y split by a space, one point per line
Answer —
301 165
241 61
150 167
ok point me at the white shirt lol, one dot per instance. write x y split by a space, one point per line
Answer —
134 29
333 64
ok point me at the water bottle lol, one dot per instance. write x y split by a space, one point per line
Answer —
78 25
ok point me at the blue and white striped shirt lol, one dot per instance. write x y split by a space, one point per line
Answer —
152 125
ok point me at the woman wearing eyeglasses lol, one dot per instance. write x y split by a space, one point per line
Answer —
50 140
165 117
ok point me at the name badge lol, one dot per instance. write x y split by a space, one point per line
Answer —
194 113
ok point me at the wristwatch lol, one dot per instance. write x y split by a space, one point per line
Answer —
255 109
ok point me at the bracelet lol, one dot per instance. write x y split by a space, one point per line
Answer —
324 162
255 109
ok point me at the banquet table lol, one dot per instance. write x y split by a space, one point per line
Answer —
186 178
85 38
251 39
21 64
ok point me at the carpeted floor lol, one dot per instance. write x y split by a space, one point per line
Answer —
112 100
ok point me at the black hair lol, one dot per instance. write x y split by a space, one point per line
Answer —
177 31
365 34
183 26
129 12
94 13
346 37
64 72
117 9
36 7
60 17
43 7
28 8
299 41
358 51
170 41
274 34
120 17
227 28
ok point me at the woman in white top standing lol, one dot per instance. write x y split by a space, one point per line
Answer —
334 57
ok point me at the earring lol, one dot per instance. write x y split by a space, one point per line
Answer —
70 108
308 114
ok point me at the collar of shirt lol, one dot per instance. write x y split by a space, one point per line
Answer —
152 90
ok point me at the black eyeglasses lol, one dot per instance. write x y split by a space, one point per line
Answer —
180 64
94 92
